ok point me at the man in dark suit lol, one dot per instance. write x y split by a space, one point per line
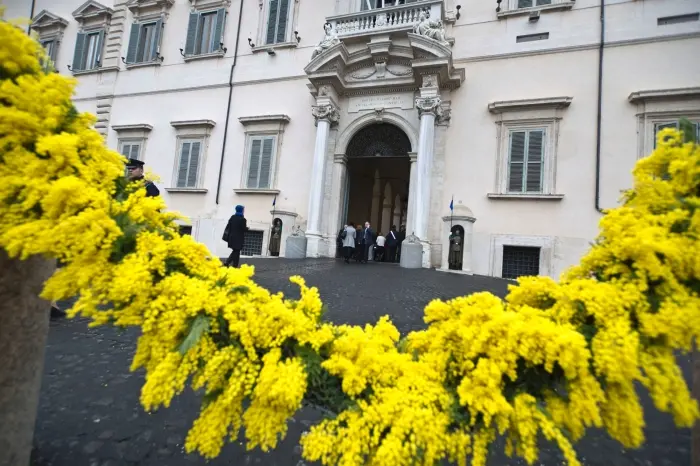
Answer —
134 169
392 241
367 240
234 235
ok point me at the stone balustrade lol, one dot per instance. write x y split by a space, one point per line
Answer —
396 18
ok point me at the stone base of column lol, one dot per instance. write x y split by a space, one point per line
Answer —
411 255
316 245
427 255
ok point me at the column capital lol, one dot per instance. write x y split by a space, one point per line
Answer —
325 112
341 159
429 106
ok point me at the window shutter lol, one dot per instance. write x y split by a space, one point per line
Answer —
272 21
282 23
100 46
192 33
158 29
219 29
535 155
254 165
133 43
194 165
517 161
126 150
79 53
183 165
524 3
266 163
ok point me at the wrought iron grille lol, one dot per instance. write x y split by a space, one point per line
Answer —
519 261
252 243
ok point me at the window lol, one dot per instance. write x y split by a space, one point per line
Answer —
144 42
252 243
50 47
260 158
531 3
675 125
526 157
189 162
520 261
88 50
373 4
205 32
131 149
277 20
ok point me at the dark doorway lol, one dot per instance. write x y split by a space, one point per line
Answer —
456 253
379 171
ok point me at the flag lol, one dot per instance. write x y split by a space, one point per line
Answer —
274 201
452 204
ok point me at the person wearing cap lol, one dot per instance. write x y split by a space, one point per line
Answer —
135 173
234 235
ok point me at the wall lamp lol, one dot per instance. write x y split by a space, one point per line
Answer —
296 34
250 42
459 7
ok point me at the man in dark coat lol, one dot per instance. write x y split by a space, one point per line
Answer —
392 242
366 240
234 235
135 173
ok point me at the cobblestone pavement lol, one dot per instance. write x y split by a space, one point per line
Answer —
89 412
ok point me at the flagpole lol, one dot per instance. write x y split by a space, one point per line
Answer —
452 211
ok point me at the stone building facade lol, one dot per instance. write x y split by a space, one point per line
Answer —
526 116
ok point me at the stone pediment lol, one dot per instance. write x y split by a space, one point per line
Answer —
139 7
92 9
384 65
46 19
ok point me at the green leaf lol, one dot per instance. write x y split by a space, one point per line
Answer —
199 326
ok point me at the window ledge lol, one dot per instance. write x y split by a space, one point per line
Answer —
135 127
204 56
256 191
130 66
530 104
541 197
187 190
566 5
279 45
99 69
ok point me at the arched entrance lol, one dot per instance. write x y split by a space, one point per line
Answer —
379 170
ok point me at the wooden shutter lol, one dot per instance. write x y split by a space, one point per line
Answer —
126 150
193 168
158 29
254 165
516 162
79 53
266 163
192 26
219 29
272 21
100 46
524 3
282 21
183 165
135 151
133 43
534 160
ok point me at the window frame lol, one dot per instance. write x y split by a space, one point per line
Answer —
526 159
188 131
547 245
217 49
131 141
263 19
676 122
181 141
512 8
101 34
648 121
260 127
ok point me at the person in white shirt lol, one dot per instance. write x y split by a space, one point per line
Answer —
379 253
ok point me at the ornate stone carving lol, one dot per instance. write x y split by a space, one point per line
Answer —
326 112
429 105
400 72
429 81
329 40
433 29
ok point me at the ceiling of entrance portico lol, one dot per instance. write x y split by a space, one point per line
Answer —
379 140
384 63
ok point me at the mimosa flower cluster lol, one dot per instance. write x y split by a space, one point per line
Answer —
550 361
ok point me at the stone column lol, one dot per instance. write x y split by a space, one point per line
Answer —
326 114
408 219
376 199
340 168
428 109
397 212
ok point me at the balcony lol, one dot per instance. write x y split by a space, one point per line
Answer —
383 20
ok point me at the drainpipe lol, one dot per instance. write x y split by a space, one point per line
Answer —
31 16
600 105
228 106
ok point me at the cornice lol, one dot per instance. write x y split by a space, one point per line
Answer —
192 124
134 127
278 118
529 104
665 94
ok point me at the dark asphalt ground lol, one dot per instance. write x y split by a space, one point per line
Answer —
89 412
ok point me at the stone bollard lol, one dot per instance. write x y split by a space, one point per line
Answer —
295 246
411 253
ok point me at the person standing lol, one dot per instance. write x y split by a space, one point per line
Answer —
399 240
379 250
234 235
134 170
339 241
392 239
367 241
348 241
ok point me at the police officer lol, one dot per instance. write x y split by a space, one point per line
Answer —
135 173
